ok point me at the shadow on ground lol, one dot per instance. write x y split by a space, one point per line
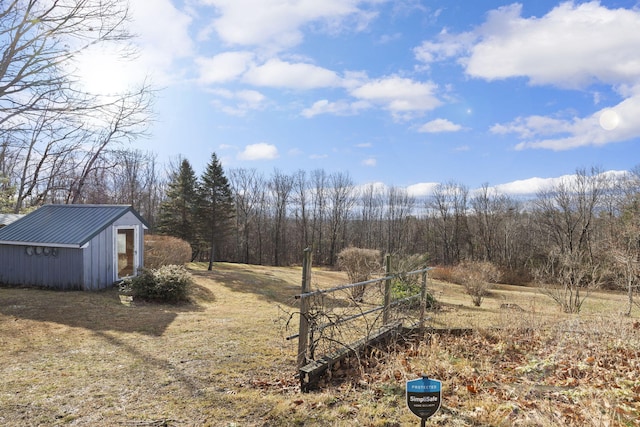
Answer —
96 311
266 285
245 280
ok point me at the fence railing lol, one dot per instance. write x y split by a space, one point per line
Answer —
338 321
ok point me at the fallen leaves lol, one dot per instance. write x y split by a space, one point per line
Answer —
545 377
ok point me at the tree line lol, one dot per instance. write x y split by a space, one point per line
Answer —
587 223
60 143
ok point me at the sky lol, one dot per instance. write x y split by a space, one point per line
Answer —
406 93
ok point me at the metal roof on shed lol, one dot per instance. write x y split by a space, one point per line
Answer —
63 225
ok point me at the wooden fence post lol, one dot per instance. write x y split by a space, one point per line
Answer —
303 333
387 290
423 296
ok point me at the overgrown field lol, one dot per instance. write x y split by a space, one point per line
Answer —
91 359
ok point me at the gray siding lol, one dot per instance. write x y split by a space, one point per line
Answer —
98 261
99 256
63 271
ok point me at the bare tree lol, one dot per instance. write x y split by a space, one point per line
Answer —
341 196
136 181
40 40
399 208
567 210
281 186
567 279
120 121
52 127
624 241
450 205
493 221
566 214
319 195
248 193
41 151
300 201
371 212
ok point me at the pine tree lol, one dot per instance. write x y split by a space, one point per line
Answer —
215 207
177 211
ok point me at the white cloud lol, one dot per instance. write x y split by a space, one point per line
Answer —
399 95
340 108
421 189
572 46
439 125
389 38
534 185
526 186
277 25
260 151
606 126
277 73
250 97
447 46
318 156
532 126
245 101
224 67
376 188
371 162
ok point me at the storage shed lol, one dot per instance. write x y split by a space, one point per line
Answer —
86 247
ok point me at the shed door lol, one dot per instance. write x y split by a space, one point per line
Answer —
126 247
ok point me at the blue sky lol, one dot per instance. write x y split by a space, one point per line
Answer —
405 93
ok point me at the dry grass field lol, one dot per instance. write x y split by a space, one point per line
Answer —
90 359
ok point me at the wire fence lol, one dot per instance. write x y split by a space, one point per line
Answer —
341 320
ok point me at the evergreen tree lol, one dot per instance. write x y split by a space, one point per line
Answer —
177 211
215 207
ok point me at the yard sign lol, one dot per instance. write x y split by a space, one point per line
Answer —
424 397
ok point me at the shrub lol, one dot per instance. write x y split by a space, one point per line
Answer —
442 273
401 265
401 289
568 278
360 264
165 250
169 283
477 279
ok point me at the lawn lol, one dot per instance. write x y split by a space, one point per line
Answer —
92 359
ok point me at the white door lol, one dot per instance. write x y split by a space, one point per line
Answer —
126 251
